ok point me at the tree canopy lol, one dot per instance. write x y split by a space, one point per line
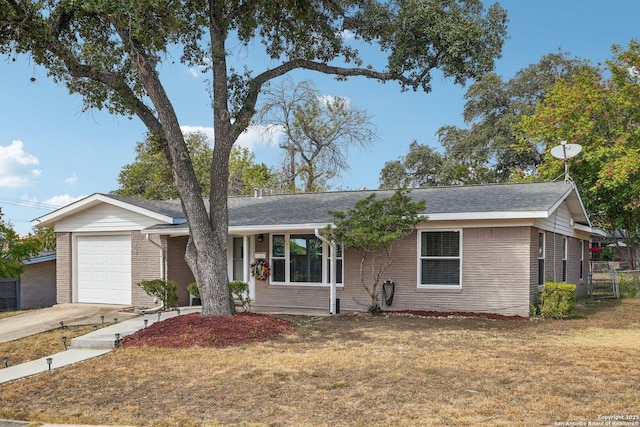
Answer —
149 176
484 151
14 250
600 110
110 52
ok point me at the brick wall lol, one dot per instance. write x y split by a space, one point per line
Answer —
146 264
177 268
38 285
64 285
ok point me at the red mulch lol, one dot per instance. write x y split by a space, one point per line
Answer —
418 313
193 330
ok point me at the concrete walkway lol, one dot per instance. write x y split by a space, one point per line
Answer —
94 344
45 319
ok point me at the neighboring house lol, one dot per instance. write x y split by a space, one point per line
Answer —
36 286
484 248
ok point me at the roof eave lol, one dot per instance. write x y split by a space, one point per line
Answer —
51 218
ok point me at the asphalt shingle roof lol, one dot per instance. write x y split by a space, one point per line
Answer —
313 208
308 208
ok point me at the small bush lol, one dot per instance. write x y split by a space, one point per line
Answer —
240 291
165 290
557 300
628 285
192 288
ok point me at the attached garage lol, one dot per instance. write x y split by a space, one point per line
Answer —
103 269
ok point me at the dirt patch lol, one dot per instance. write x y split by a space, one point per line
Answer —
194 330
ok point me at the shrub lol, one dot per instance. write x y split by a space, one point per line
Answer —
240 291
192 288
165 290
557 299
628 285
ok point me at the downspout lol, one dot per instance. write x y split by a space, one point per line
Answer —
332 278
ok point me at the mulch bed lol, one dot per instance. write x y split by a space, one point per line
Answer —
418 313
193 330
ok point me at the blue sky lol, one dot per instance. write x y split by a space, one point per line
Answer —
52 153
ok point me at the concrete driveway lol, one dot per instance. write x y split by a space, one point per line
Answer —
45 319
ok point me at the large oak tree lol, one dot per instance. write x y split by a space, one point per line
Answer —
110 52
600 110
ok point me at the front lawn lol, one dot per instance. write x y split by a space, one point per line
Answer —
356 370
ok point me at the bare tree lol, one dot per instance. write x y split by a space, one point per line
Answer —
319 132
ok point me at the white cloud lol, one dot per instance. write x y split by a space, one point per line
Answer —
61 200
208 131
253 136
346 35
16 165
72 179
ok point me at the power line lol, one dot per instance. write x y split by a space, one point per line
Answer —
29 204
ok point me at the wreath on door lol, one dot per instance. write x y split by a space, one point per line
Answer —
260 269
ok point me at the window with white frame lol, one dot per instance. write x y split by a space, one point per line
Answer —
338 256
440 258
564 258
541 256
581 259
302 259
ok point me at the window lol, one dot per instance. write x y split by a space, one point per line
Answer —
236 259
305 258
338 265
302 259
564 259
440 256
541 252
581 258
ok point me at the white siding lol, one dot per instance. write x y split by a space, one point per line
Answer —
561 223
104 218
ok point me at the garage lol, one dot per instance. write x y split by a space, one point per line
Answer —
104 269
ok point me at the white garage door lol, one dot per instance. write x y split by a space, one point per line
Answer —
104 269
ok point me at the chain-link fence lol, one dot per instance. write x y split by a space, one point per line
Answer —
628 283
608 280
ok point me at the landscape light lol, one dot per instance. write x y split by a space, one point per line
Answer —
159 314
5 360
117 343
146 322
64 341
95 328
62 324
49 361
178 310
102 319
115 320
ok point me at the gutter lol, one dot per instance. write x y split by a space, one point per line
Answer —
332 279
